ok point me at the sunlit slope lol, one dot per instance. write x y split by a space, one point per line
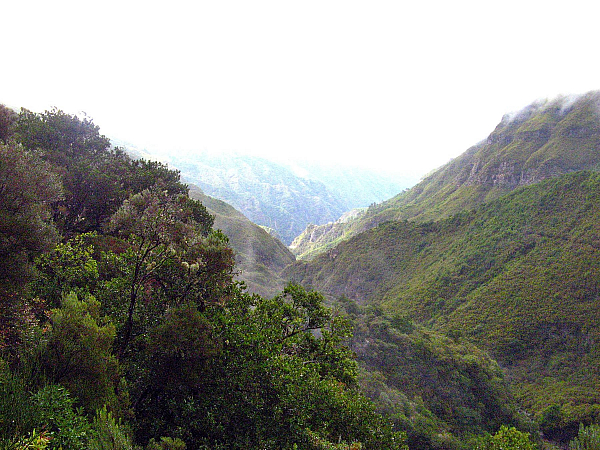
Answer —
543 140
259 256
519 275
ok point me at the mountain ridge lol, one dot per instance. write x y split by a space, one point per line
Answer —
545 139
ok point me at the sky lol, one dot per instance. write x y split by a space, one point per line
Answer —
399 86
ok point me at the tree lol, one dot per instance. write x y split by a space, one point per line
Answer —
7 121
279 375
63 137
507 438
97 177
168 253
27 189
76 352
70 267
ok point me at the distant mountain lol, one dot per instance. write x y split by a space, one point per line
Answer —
285 199
265 192
358 187
517 275
259 256
543 140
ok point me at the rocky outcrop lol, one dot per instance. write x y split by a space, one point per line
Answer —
316 238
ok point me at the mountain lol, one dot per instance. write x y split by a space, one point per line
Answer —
545 139
285 199
259 256
518 276
358 186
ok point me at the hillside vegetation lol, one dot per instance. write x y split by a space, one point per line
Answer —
518 276
259 256
543 140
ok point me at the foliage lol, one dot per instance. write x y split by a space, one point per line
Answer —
518 276
437 389
588 438
62 135
8 117
33 441
76 351
46 419
67 427
70 267
18 415
507 438
108 433
166 443
27 187
167 253
96 177
269 379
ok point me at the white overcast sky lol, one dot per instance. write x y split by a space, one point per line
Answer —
390 84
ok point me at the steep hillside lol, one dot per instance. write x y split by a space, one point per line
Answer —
518 275
442 391
543 140
259 256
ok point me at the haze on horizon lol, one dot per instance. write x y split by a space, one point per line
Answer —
387 85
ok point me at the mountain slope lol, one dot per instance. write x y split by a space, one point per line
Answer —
543 140
259 256
518 276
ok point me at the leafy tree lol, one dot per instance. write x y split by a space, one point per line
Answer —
168 253
279 374
66 425
45 419
97 178
507 438
7 121
62 136
70 267
144 174
27 188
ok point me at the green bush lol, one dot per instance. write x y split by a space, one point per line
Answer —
166 443
108 433
587 439
507 438
67 427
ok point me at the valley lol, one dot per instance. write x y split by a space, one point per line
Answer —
470 300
